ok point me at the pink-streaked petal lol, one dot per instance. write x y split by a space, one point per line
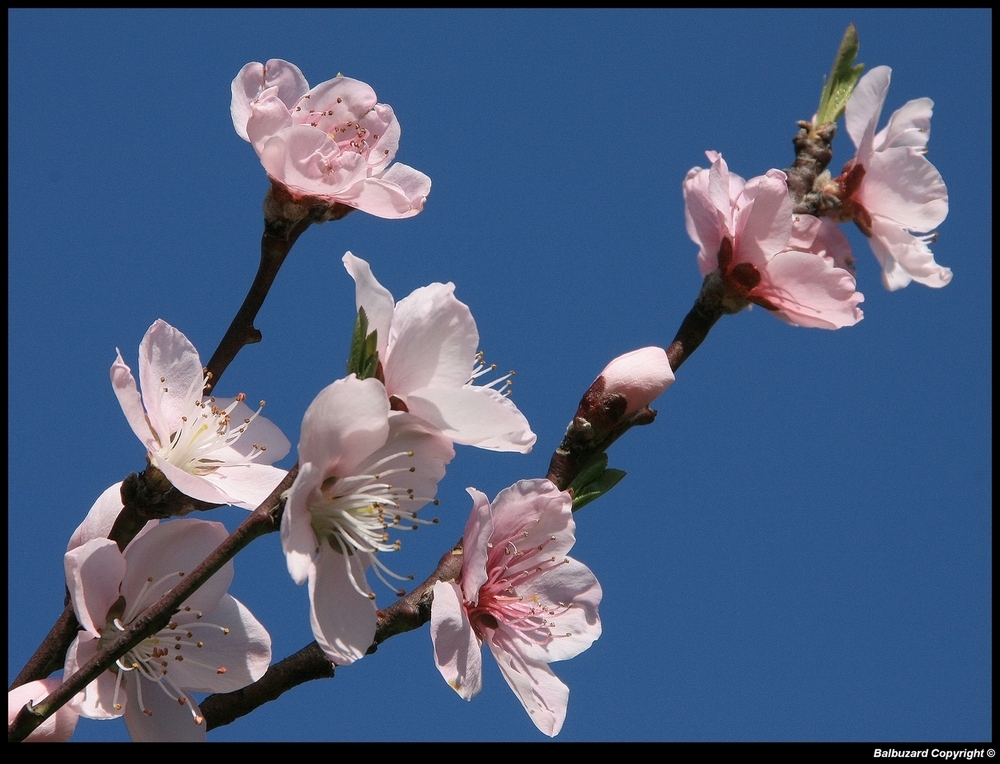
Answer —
810 291
534 517
905 257
167 550
170 377
96 700
864 108
540 691
298 539
59 727
383 198
128 397
382 129
343 621
345 423
94 572
225 661
374 298
473 415
456 648
475 546
165 720
900 185
433 343
764 224
254 79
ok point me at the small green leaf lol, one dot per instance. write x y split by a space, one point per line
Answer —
363 358
843 77
595 480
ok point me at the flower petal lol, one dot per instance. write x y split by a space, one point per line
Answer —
475 546
254 78
345 423
158 718
540 691
59 727
864 108
456 649
374 298
298 540
474 416
94 573
343 621
170 376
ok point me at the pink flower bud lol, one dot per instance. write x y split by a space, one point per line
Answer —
639 376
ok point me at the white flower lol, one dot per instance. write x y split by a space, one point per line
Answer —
212 644
427 346
212 449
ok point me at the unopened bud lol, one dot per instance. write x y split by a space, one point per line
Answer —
637 378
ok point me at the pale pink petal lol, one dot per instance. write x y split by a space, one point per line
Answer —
865 107
96 700
908 126
531 514
810 291
167 721
268 116
309 163
58 728
457 653
702 220
176 547
298 539
823 237
540 691
254 79
170 377
474 415
415 185
574 627
381 124
475 546
381 198
900 185
764 225
226 661
128 397
195 486
247 485
413 447
346 422
101 518
347 98
374 298
343 621
434 341
905 257
94 572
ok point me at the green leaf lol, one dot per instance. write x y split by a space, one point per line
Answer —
363 358
594 481
843 77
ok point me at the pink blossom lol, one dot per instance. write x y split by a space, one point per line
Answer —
58 728
213 643
890 188
212 449
521 595
746 230
427 345
333 143
362 470
639 377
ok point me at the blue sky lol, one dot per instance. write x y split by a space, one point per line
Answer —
802 547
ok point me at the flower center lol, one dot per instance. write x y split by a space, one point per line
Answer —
501 604
356 514
151 659
206 428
